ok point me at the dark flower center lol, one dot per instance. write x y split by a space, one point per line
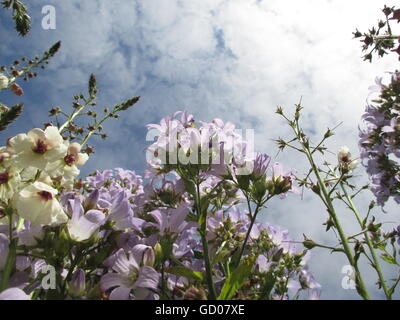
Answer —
70 159
40 147
4 177
45 195
345 159
2 213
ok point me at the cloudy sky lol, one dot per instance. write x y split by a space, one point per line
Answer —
232 59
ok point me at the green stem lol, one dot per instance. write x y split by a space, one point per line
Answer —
75 114
11 257
376 265
253 219
331 210
203 230
9 266
361 288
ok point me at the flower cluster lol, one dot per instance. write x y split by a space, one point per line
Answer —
33 166
178 232
380 140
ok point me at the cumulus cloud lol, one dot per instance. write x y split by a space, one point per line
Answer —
236 60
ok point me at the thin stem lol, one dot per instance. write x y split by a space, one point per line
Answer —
332 213
376 264
331 210
203 227
75 114
253 219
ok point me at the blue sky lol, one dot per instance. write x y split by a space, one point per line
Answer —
234 59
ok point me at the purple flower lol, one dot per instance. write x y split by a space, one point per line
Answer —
171 221
129 276
261 164
30 234
13 294
77 285
380 140
82 225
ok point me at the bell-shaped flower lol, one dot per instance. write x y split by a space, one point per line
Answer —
38 204
172 221
37 148
83 225
129 275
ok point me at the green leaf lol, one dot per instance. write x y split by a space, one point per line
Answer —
388 258
236 279
185 272
10 115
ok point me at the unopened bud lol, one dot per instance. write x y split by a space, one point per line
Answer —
91 201
16 89
149 257
77 285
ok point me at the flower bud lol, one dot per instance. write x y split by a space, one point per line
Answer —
3 82
283 184
149 257
16 89
158 252
77 285
277 255
309 244
91 201
260 188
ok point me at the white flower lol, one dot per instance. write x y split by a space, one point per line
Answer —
344 158
67 166
344 155
37 203
37 148
3 82
9 183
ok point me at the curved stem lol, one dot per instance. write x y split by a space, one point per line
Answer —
331 210
376 263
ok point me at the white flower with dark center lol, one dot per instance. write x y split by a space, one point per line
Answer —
37 148
37 203
67 166
345 160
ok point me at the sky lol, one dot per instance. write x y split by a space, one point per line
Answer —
231 59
